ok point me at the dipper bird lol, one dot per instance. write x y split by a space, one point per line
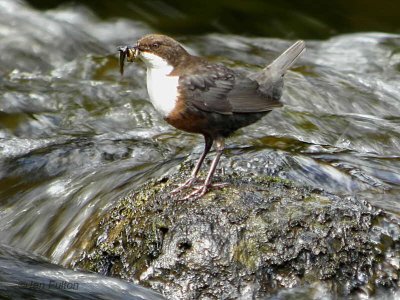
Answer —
195 95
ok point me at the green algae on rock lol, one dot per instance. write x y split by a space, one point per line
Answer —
246 240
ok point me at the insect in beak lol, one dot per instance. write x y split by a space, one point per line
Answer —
128 52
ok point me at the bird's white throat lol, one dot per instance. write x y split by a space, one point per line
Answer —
162 88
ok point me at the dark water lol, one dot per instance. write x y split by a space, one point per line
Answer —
307 19
75 136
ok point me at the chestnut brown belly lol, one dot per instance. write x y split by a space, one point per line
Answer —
211 124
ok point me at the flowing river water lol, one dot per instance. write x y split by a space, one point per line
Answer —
75 135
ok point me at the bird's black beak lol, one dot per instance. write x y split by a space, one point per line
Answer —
128 52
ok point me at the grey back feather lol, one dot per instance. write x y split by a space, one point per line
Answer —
215 88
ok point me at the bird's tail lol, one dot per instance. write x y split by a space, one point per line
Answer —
280 65
270 78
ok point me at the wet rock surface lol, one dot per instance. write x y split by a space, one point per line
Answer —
247 240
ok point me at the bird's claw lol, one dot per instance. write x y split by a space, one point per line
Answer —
200 191
186 184
197 193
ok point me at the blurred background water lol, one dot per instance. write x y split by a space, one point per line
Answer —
75 136
307 19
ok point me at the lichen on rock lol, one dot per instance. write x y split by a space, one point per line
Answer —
248 239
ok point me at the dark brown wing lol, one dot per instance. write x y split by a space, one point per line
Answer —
207 87
246 97
216 88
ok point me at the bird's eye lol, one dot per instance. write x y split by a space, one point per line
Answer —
155 45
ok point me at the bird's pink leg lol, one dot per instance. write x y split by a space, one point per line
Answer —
202 190
193 177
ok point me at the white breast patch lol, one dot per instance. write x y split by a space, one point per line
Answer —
162 89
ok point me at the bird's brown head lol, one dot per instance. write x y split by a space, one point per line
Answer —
161 45
153 47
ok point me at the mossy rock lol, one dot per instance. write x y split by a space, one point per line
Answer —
247 240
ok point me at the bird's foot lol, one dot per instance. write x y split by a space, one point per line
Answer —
200 191
186 184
